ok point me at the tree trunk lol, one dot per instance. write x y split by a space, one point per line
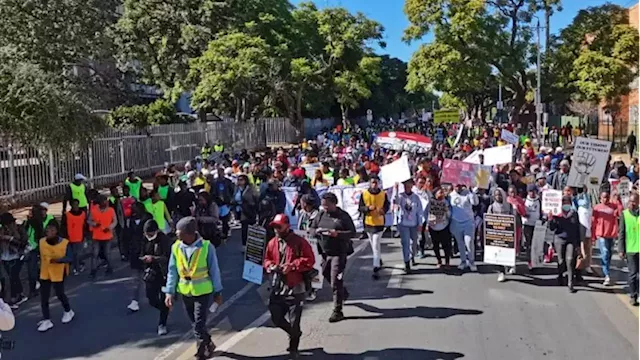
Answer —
345 112
547 32
238 110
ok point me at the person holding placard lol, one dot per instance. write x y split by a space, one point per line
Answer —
439 215
566 228
501 206
462 224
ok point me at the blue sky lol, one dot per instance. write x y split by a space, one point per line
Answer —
390 14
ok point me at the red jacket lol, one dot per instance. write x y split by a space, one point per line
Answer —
297 253
604 220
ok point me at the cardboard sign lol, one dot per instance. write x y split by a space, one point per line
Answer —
624 191
396 172
252 269
446 116
500 239
317 281
552 202
492 156
509 137
537 244
589 161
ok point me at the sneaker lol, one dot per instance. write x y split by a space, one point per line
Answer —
45 325
336 316
501 277
76 272
473 267
407 268
375 275
21 299
462 266
82 268
133 306
607 281
311 296
162 330
413 262
633 301
529 266
67 316
512 271
572 290
37 285
423 255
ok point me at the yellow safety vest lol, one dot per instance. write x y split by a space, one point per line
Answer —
78 193
193 273
378 202
53 272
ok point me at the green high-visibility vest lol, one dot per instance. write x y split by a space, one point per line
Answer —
631 233
194 279
134 187
163 191
157 211
78 192
148 205
218 148
31 232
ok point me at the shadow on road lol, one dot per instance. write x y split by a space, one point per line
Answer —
424 312
386 354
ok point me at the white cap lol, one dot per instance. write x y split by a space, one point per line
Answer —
228 171
44 205
559 149
191 174
79 176
543 149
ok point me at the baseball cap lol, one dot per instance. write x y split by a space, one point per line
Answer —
79 176
44 205
280 219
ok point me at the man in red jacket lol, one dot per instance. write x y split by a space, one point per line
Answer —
287 258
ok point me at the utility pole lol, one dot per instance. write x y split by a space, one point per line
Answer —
537 94
499 105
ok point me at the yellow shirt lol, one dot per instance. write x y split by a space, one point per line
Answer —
52 271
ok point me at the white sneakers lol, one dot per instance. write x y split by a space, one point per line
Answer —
512 271
501 277
473 267
162 330
462 266
465 264
68 316
47 324
607 281
44 325
133 306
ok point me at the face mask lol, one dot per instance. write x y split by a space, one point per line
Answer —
151 238
566 207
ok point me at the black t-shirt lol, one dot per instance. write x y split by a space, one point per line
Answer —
338 220
184 200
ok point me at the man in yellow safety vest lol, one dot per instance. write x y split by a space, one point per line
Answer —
194 273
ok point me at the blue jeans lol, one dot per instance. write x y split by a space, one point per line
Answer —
409 241
464 234
605 246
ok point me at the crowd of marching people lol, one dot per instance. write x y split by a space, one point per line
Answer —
169 233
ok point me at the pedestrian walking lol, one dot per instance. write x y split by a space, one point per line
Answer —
56 256
75 222
462 225
374 205
134 235
155 256
629 244
438 221
102 222
566 228
287 257
334 227
194 274
411 218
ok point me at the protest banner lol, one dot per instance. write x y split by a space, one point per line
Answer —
461 128
537 244
351 202
509 137
492 156
589 161
396 172
446 116
471 175
500 239
317 281
310 169
252 269
552 202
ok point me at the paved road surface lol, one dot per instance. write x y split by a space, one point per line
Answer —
425 315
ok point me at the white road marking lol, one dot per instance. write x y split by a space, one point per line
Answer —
395 280
189 334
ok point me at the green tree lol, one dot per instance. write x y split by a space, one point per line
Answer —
41 107
158 112
473 39
232 75
596 56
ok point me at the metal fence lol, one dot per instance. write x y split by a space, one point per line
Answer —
30 174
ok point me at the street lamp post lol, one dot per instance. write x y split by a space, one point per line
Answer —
538 98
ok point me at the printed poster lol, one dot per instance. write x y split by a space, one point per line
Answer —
492 156
460 172
509 137
551 202
589 161
252 269
500 239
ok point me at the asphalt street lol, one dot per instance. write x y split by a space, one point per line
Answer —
429 314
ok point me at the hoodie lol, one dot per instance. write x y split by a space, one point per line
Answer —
462 205
532 205
410 209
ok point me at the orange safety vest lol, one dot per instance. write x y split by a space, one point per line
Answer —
75 226
103 220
